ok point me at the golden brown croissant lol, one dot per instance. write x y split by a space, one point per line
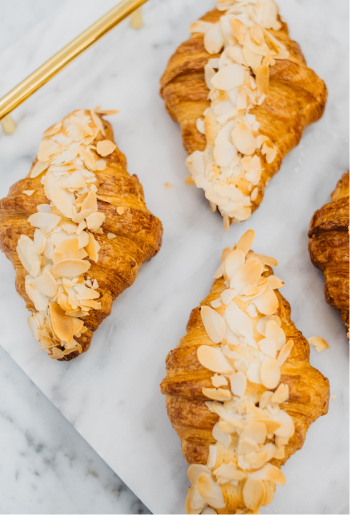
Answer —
240 390
260 100
76 230
329 247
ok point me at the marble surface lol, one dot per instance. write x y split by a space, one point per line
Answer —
111 394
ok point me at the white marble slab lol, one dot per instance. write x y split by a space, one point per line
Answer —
111 394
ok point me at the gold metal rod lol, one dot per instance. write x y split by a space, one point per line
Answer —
55 64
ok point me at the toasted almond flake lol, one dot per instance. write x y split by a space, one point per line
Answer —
233 262
54 129
228 295
111 236
248 274
57 353
239 29
246 241
47 150
91 304
43 208
333 396
276 333
105 147
220 436
210 491
253 493
84 213
286 428
267 302
74 181
268 347
229 471
194 471
216 303
274 282
284 353
88 159
79 200
120 210
200 26
92 248
70 228
90 202
28 192
246 445
243 139
61 323
252 311
217 394
269 153
97 121
226 222
213 39
262 79
95 220
237 320
43 220
225 253
229 77
219 380
261 325
214 324
281 394
194 502
253 373
46 284
270 372
71 268
213 359
69 248
238 384
319 343
269 473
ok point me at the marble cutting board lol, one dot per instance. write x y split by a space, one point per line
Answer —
111 394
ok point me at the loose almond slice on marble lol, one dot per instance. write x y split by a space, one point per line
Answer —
214 324
213 359
243 139
210 491
270 374
246 241
284 353
253 493
319 343
194 471
70 268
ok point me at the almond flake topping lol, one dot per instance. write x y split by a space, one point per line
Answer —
249 347
319 343
56 259
238 80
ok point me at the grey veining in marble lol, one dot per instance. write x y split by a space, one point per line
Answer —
111 394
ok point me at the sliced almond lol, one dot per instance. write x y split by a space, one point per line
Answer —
243 139
229 471
105 147
267 302
238 384
54 129
276 333
319 343
239 29
253 493
71 268
246 241
270 374
213 39
214 324
248 274
95 220
229 77
281 394
46 284
269 473
120 210
210 491
69 247
92 248
233 262
194 502
262 79
255 431
268 260
218 380
268 347
284 353
274 282
228 295
261 325
217 394
43 220
195 471
90 202
213 359
61 323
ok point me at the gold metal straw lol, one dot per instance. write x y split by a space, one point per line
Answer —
43 74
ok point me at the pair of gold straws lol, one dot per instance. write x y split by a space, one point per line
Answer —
55 64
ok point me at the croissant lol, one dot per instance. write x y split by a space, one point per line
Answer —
242 94
329 247
76 230
240 390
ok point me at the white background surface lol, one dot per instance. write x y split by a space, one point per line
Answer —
111 394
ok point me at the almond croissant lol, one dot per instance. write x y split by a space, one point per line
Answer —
76 230
242 94
240 390
329 247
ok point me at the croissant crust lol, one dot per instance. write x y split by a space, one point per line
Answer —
138 233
